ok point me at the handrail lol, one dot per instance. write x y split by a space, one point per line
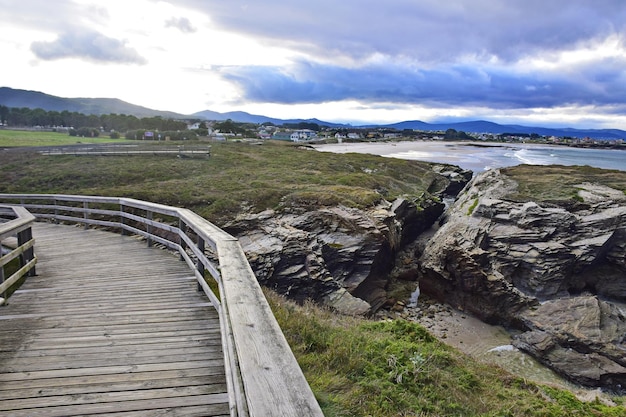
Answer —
18 226
263 377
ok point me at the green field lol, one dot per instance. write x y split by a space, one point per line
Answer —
17 138
236 176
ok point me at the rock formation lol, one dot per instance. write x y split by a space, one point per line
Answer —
339 256
553 270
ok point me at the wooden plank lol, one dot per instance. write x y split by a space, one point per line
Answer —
23 221
213 404
93 336
217 384
272 379
19 389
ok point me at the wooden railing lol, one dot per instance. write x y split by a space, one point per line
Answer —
17 224
263 376
129 150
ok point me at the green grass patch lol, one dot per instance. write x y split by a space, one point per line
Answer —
258 177
358 367
17 138
471 208
559 184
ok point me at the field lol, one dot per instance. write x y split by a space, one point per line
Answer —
236 176
14 138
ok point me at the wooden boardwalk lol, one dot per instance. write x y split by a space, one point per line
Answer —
109 327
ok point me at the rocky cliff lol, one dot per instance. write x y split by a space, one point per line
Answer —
340 256
553 268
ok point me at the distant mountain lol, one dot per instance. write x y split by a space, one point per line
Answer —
482 126
34 99
241 116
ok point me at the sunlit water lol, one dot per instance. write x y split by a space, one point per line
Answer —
479 157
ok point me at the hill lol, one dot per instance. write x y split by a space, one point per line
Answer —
482 126
33 99
241 116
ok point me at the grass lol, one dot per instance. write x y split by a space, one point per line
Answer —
15 138
237 175
471 208
559 184
358 367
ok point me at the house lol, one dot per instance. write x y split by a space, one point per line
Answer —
306 134
295 136
282 136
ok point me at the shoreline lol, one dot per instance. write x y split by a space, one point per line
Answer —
479 157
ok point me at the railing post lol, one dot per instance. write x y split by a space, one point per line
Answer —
56 211
199 264
4 294
122 219
183 229
85 214
22 238
149 227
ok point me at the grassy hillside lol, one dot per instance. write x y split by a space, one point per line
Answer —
237 176
356 367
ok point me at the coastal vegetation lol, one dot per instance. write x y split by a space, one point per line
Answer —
237 176
355 366
359 367
559 184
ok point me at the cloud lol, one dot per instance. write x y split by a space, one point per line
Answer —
599 83
87 44
181 23
426 30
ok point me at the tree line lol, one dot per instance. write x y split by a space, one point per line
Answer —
27 117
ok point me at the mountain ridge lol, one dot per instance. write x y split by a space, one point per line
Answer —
34 99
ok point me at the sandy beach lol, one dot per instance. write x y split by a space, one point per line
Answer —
479 156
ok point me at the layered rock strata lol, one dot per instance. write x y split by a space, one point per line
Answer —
552 270
340 256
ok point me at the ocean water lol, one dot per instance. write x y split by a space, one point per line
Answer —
479 157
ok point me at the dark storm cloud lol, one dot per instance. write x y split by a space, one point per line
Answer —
307 82
427 46
181 23
87 44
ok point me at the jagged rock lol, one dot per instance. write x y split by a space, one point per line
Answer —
580 337
498 259
458 178
332 254
343 302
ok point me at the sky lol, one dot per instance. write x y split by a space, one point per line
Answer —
557 63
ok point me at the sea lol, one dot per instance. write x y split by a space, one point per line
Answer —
478 157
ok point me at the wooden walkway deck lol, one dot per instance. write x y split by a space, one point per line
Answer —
109 327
